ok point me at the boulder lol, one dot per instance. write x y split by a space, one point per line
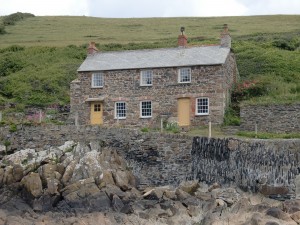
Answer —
52 186
296 217
291 206
273 190
1 176
47 171
121 179
88 166
229 195
81 149
107 178
181 195
22 157
17 172
278 213
112 190
67 146
189 186
33 184
8 177
153 194
117 203
69 171
2 150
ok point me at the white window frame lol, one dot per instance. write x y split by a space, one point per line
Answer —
180 75
116 110
101 80
144 77
141 109
206 105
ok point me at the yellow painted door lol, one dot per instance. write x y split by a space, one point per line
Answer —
184 111
96 113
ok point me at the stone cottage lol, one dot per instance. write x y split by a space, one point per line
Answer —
189 85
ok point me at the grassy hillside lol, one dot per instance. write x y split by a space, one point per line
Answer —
39 55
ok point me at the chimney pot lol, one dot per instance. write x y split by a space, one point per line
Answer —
182 38
92 49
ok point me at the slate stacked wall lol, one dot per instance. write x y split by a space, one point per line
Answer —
212 81
162 159
271 118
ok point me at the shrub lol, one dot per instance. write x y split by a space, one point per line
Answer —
2 29
231 118
13 128
145 129
172 127
15 17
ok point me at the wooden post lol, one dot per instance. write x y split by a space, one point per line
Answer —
76 119
40 116
161 125
209 129
255 130
0 116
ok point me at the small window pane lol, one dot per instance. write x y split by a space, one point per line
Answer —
97 80
97 107
146 77
120 109
202 106
146 109
184 75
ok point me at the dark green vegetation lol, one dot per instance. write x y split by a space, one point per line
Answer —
39 55
265 135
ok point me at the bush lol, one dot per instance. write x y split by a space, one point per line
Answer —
172 127
2 29
15 17
231 118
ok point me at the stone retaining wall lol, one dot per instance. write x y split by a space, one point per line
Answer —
162 159
271 118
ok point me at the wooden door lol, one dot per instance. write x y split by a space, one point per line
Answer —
96 113
184 111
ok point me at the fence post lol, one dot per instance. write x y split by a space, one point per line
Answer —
76 119
255 130
40 116
209 129
161 125
0 116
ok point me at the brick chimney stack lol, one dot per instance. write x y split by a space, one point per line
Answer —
92 49
225 37
182 38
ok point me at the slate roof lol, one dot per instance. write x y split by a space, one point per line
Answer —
155 58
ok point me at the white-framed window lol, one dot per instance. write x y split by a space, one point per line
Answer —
120 110
97 80
146 78
146 109
202 106
184 75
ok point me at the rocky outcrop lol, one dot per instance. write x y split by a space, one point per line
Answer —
83 183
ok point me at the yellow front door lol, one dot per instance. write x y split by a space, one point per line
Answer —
96 113
184 111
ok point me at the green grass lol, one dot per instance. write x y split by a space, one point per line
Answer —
265 135
39 56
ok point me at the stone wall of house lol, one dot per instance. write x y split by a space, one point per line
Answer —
124 85
271 118
162 159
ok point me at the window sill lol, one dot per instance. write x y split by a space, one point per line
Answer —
145 117
120 118
202 114
97 87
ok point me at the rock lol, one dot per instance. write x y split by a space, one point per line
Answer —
46 172
181 195
17 172
95 145
220 202
214 186
117 203
88 166
229 195
121 179
81 149
297 184
205 196
33 184
45 203
154 194
127 209
296 217
69 171
278 213
170 194
273 190
52 186
1 176
67 146
22 157
107 178
189 186
112 190
291 206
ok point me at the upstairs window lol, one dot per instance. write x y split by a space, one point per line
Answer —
146 109
97 80
202 106
120 110
146 77
184 75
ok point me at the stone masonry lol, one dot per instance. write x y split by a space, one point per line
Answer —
213 82
271 118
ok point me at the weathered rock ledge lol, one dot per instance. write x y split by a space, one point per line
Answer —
86 183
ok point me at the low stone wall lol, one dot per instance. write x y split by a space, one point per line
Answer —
250 164
271 118
162 159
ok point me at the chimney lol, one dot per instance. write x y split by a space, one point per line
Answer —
182 38
225 37
92 49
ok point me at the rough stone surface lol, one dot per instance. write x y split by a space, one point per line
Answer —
33 184
272 118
